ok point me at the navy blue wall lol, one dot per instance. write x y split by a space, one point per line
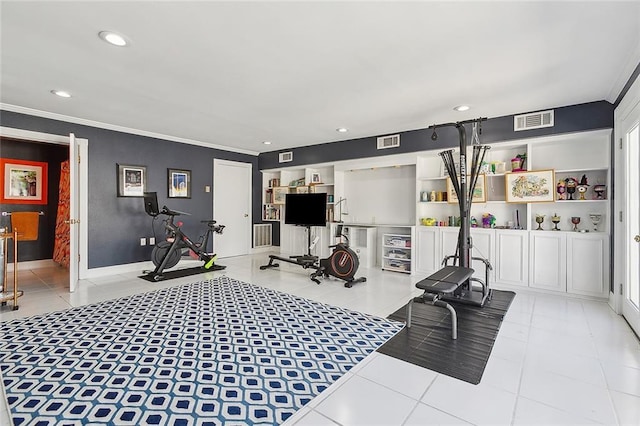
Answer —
576 118
116 224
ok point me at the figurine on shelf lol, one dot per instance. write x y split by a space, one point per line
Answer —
571 184
488 220
561 189
474 222
583 186
539 220
556 220
600 189
517 163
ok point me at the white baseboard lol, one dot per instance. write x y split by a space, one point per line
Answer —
266 249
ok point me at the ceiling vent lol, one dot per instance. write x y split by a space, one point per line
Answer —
535 120
285 157
392 141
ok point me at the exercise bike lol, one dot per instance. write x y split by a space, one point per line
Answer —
342 263
166 254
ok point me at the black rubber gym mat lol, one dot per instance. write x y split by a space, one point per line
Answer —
177 273
428 342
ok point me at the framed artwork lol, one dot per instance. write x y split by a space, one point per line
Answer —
537 186
132 180
279 194
315 178
302 190
479 193
23 181
179 185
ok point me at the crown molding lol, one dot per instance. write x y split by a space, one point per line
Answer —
98 124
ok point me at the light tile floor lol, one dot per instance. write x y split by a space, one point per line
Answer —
557 360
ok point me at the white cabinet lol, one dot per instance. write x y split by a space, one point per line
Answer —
512 257
483 247
396 252
362 240
588 264
548 269
572 262
427 250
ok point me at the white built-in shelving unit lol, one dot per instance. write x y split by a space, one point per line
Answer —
399 194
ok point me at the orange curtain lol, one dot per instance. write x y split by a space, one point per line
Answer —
61 243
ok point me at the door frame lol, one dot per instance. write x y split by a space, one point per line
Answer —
28 135
629 103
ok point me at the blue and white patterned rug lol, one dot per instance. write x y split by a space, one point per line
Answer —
209 353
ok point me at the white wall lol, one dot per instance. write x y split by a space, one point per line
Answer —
382 195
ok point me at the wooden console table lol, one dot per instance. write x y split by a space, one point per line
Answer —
7 294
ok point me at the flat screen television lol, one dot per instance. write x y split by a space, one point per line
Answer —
305 209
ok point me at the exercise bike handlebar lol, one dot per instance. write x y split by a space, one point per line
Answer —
166 211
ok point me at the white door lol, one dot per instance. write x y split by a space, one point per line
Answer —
232 207
630 134
74 213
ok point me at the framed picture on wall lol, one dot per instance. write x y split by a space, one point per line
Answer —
132 180
179 185
479 193
23 181
536 186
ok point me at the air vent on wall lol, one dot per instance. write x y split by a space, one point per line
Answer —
534 120
285 157
391 141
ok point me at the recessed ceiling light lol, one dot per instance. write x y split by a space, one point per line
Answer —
113 38
61 93
342 130
461 108
267 142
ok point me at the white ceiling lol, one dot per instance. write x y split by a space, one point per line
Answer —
235 74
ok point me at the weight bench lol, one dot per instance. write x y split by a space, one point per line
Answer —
442 283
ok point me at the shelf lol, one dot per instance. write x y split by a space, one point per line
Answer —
397 247
580 201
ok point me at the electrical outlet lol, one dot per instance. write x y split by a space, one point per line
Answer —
143 241
152 241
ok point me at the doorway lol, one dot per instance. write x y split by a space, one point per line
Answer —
78 193
232 206
628 203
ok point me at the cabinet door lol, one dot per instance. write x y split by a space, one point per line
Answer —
512 257
448 241
428 250
588 264
483 248
547 269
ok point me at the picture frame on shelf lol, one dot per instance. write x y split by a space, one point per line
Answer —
179 184
535 186
279 194
479 193
132 180
23 181
315 179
